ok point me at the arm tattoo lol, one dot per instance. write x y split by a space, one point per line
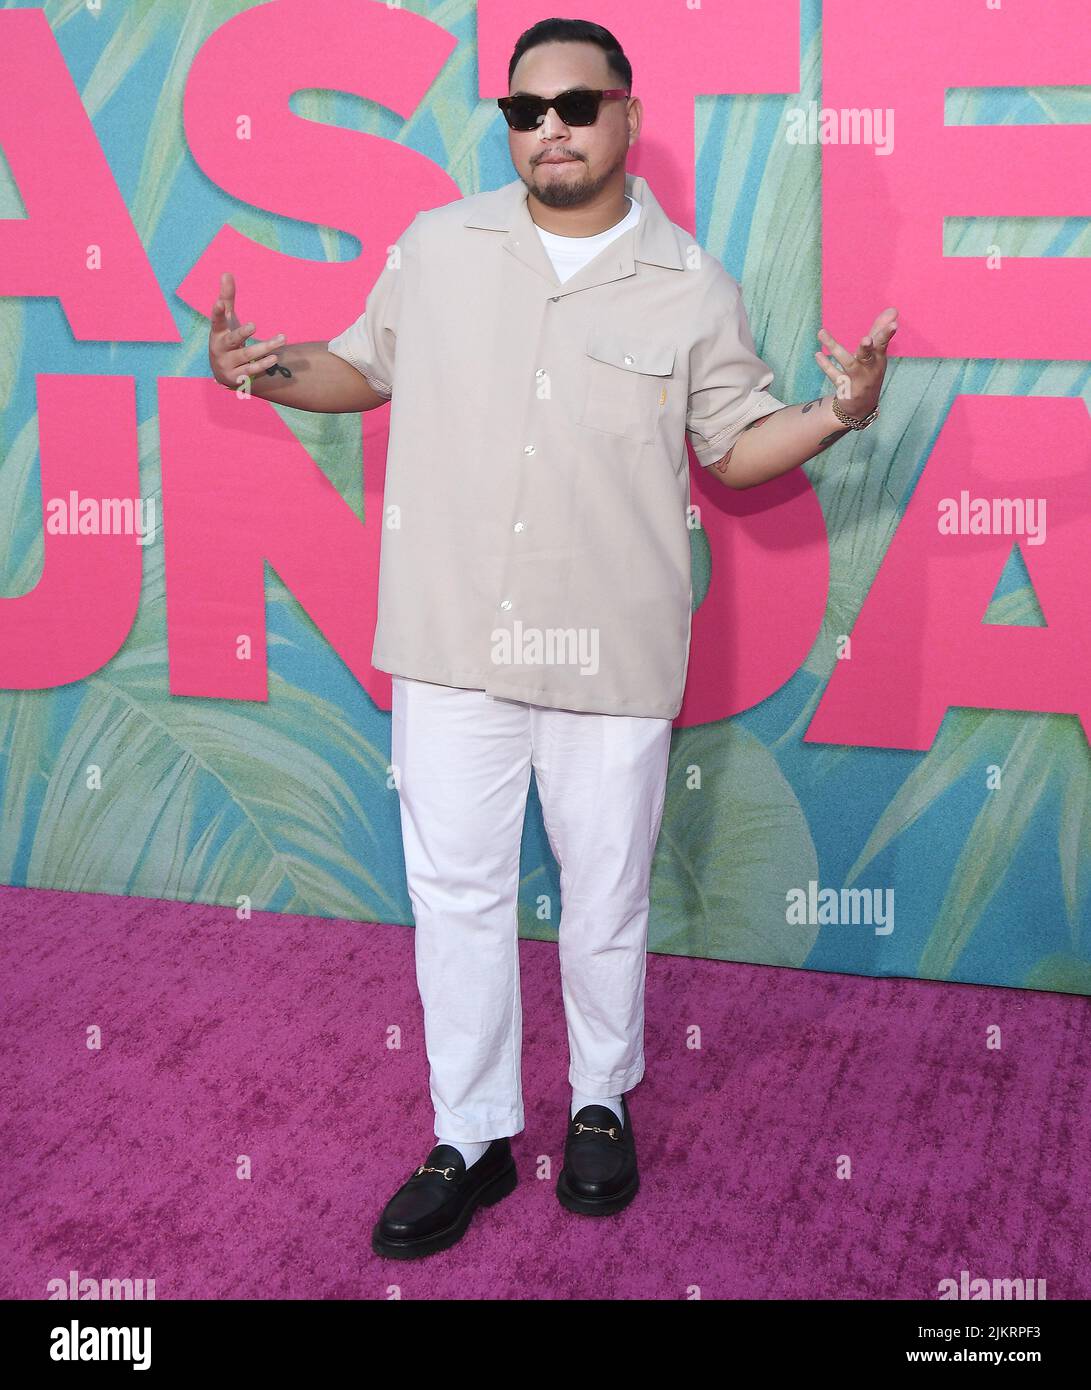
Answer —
721 464
831 439
811 404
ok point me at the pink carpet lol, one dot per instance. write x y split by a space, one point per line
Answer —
268 1038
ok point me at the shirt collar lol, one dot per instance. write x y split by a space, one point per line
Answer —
505 210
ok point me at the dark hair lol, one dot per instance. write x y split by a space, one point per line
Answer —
575 31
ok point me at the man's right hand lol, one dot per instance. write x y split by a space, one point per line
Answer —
229 355
310 376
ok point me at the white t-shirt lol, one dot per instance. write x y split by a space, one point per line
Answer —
571 253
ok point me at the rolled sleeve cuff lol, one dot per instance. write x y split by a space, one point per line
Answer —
343 346
712 449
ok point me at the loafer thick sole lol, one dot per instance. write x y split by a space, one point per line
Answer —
595 1206
600 1175
431 1212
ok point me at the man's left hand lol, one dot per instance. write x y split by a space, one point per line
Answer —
859 376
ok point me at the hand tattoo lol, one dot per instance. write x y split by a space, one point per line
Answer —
276 367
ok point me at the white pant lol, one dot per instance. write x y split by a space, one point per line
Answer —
464 760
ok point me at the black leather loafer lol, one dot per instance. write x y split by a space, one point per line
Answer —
432 1209
600 1174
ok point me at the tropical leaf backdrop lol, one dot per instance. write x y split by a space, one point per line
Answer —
289 802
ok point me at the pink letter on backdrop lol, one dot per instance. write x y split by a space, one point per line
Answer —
240 490
920 645
79 613
373 188
764 606
75 211
882 215
370 187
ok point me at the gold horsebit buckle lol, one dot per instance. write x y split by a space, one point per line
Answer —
444 1172
613 1131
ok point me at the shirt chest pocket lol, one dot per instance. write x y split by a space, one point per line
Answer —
626 387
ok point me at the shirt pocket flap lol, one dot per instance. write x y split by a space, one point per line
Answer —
631 353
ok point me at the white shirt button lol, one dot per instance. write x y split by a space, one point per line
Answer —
540 372
629 359
505 603
528 448
520 526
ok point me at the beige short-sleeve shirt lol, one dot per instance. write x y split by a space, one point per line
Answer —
534 540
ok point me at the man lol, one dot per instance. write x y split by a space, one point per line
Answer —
546 346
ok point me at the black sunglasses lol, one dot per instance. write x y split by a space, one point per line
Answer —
577 106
